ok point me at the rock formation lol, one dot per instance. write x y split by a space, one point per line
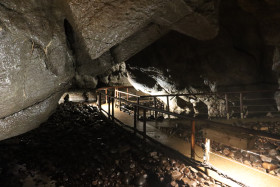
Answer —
238 56
36 65
210 43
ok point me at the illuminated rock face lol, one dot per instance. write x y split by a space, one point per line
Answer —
41 41
44 44
36 65
110 32
238 56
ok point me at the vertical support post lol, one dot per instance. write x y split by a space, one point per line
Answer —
113 109
155 105
135 119
99 101
207 150
162 107
117 93
120 100
193 140
167 107
96 99
106 91
114 95
109 108
138 109
226 99
144 123
241 106
206 156
126 93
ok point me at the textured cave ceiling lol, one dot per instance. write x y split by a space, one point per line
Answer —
47 46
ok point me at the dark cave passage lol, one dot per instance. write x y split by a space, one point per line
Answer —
203 76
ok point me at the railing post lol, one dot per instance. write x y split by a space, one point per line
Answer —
193 140
120 101
167 97
99 101
241 106
138 109
109 103
155 105
226 99
113 110
106 91
114 98
127 94
96 98
206 156
144 123
135 118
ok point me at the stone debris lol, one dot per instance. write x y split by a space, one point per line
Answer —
264 157
263 151
272 127
78 147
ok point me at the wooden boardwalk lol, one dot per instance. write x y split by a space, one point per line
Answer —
243 173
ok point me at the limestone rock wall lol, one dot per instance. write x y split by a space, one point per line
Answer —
47 43
35 63
110 32
237 56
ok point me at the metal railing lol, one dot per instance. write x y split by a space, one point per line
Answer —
235 102
207 123
241 103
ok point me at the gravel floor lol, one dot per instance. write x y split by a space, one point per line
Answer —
78 147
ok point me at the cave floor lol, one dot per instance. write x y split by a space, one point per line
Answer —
78 147
243 173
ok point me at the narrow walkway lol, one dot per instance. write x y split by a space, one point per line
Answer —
247 175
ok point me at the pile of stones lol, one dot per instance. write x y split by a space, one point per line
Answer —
272 127
78 147
265 156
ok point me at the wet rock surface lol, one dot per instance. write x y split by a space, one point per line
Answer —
78 147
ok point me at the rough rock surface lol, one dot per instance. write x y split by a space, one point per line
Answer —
180 64
42 40
109 75
78 147
113 31
268 15
103 24
35 61
29 118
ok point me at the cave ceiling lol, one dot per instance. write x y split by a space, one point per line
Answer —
45 45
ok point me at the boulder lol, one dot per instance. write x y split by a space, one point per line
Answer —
36 63
273 152
265 158
176 175
269 166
